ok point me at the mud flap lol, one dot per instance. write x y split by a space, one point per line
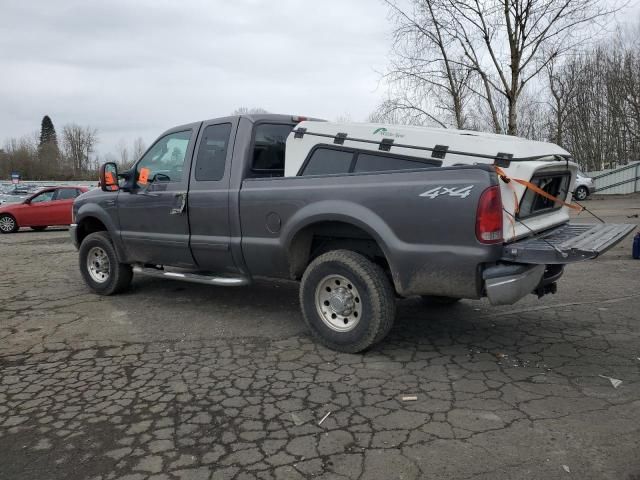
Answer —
568 243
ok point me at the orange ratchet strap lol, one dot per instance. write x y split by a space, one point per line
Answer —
535 188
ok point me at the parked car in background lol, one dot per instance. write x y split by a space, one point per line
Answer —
10 193
585 186
49 206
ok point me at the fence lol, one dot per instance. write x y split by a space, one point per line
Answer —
622 180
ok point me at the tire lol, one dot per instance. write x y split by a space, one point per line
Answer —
117 277
39 228
438 300
8 224
581 193
347 301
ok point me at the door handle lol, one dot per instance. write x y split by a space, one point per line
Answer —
181 200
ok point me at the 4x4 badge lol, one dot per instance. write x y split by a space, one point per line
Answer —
463 192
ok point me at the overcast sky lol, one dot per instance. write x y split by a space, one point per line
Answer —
137 68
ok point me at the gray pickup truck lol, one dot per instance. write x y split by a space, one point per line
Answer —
358 221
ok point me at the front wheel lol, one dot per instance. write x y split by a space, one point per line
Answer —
347 301
582 193
100 267
8 224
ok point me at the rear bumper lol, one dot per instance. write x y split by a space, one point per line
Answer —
506 284
72 233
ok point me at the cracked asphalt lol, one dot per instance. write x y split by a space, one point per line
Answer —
180 381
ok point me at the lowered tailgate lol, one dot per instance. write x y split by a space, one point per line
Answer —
566 244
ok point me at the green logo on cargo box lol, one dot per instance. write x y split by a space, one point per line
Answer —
386 133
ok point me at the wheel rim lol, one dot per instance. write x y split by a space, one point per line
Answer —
98 265
7 224
581 194
338 303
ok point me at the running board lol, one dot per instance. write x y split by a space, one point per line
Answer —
193 277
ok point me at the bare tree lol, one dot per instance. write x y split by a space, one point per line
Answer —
600 101
78 143
562 87
429 83
138 149
505 44
122 153
344 118
248 111
21 155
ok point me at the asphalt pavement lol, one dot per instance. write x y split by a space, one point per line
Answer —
180 381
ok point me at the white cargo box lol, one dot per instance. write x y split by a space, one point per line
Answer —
520 158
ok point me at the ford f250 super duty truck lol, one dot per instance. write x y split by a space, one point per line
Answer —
358 213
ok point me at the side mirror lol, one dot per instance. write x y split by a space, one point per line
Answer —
109 177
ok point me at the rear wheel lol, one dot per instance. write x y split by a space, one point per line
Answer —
100 267
39 229
347 301
582 193
8 224
438 300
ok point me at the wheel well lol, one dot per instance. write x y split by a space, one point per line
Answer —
88 226
318 238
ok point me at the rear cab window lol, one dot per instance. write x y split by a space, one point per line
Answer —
269 142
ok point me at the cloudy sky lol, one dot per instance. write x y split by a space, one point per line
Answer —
136 68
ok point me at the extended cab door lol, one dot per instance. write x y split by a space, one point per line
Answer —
209 197
154 224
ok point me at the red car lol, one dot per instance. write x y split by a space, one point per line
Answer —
49 206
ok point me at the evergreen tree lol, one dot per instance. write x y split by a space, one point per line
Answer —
47 132
48 165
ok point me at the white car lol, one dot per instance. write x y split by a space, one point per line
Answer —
585 186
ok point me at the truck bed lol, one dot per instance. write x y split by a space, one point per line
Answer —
429 241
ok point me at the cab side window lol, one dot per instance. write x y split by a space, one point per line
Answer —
212 152
165 160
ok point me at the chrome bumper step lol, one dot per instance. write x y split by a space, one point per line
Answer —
192 277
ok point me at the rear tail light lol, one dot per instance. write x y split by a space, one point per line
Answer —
489 216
